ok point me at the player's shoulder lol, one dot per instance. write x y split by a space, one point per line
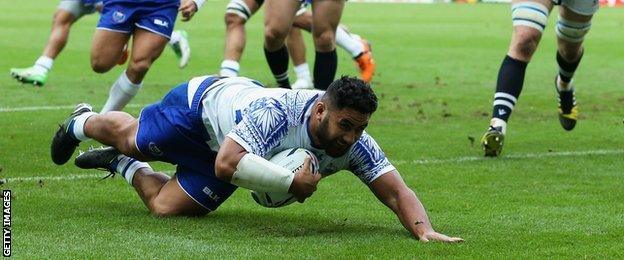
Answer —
366 149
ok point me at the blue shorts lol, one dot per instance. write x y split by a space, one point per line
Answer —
156 17
170 131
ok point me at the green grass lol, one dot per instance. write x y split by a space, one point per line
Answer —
437 70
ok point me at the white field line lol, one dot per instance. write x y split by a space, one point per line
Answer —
42 108
515 156
77 176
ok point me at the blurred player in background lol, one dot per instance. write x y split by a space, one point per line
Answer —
239 11
68 12
529 21
150 23
220 132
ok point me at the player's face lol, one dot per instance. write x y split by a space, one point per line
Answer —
339 129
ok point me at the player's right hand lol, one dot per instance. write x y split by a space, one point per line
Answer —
435 236
305 181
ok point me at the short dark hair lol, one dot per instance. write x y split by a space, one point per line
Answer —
351 92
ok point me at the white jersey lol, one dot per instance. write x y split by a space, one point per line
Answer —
267 121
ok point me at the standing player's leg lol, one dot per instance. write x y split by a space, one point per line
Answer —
146 48
278 18
326 17
571 29
354 44
529 21
66 14
296 50
236 15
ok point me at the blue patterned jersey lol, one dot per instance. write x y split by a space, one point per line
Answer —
266 121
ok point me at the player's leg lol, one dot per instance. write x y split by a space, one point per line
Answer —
66 14
354 44
278 18
326 17
529 21
573 24
236 15
179 43
116 129
107 49
296 49
146 48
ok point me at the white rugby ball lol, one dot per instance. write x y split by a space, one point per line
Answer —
291 159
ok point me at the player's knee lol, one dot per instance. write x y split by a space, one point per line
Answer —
234 20
100 65
324 41
163 210
140 65
526 43
274 36
571 31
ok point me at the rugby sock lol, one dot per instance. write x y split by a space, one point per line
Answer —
43 64
566 71
128 166
325 66
508 88
229 68
175 37
351 44
303 72
278 62
121 93
76 129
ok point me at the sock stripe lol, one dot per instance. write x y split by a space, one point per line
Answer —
228 68
503 103
130 162
507 96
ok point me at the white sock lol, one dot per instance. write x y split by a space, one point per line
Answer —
44 64
229 68
121 93
78 126
303 71
496 122
175 37
128 166
350 44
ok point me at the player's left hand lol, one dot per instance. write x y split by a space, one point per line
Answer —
188 8
435 236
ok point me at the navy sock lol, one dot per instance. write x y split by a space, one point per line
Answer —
325 66
278 62
508 87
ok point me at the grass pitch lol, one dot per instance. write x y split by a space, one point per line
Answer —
553 194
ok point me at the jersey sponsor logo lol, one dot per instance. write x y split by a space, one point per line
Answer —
118 17
161 23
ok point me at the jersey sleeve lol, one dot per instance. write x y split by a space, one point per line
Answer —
367 161
262 127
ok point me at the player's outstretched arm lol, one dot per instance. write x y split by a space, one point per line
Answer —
392 191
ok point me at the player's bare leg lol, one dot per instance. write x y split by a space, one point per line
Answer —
146 48
278 18
358 47
107 49
236 15
571 30
161 194
529 20
297 51
326 17
59 34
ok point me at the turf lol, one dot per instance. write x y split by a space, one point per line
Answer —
553 194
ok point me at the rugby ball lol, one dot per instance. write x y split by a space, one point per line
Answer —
291 159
